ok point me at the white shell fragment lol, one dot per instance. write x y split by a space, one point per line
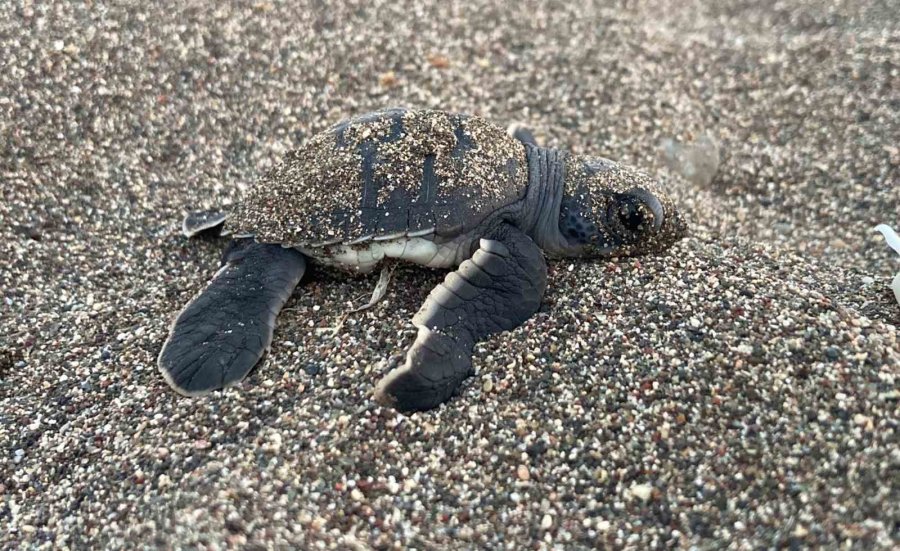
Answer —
893 241
384 280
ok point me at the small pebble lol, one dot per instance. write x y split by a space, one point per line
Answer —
546 522
523 473
642 491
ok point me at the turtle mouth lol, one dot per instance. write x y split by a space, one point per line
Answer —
606 251
594 249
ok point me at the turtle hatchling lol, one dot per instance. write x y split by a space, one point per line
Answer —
433 188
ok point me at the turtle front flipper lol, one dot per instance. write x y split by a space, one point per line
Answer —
221 334
497 289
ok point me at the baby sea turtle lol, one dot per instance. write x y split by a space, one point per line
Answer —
437 189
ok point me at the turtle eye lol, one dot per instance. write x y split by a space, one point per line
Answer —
630 215
634 212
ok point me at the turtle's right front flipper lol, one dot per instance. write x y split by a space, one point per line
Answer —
497 289
221 334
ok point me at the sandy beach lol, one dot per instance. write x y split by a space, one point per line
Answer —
741 389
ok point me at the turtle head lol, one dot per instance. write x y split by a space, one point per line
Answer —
612 210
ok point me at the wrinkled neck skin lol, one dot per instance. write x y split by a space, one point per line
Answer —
540 214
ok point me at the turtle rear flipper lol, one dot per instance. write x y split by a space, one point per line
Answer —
203 222
221 334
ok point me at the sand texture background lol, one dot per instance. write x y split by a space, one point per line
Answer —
742 388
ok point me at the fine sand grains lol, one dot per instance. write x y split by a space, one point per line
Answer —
741 388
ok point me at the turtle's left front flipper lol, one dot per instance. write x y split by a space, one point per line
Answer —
497 289
224 331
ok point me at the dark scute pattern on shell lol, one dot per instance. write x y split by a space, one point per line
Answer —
390 172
